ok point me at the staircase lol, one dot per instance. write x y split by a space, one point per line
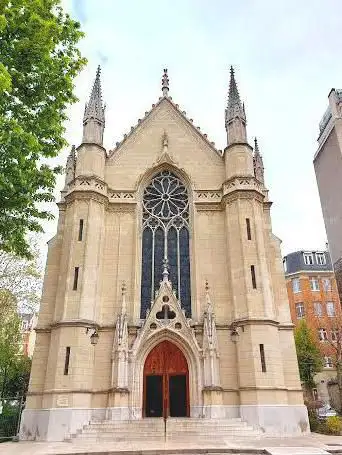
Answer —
174 429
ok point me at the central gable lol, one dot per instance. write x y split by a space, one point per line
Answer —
143 149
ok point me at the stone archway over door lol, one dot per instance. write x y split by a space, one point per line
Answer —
166 382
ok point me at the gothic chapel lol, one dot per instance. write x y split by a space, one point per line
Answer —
164 292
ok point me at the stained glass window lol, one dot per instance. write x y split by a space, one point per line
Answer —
165 236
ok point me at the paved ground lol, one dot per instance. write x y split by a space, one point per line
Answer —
313 444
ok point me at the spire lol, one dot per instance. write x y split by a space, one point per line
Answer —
70 167
258 163
94 114
165 83
235 118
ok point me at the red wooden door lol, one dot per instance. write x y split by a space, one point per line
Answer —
166 360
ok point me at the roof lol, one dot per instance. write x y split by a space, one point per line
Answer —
295 262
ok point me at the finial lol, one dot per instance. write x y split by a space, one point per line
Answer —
207 298
206 286
123 295
165 269
165 83
256 147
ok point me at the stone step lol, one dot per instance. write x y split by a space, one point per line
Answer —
177 429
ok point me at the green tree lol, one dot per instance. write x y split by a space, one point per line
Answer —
10 337
22 278
308 354
39 61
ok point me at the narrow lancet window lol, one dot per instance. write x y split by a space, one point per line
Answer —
262 358
253 277
75 278
165 236
67 360
248 227
80 231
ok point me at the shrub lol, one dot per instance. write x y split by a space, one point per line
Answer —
333 425
313 419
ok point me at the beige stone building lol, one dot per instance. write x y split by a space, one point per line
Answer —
164 291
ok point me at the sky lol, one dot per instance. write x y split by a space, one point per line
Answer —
286 55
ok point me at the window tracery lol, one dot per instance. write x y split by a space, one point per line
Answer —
165 236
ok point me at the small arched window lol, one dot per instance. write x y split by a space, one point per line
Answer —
165 236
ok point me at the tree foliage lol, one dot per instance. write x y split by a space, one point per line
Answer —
10 339
308 354
336 348
22 278
39 61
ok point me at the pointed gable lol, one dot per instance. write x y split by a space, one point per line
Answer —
141 149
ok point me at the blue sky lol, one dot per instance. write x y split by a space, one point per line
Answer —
287 56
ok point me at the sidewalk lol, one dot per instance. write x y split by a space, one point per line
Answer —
310 445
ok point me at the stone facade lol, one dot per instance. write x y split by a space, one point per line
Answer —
238 341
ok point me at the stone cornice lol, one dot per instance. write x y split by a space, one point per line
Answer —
90 187
287 326
285 389
133 329
85 323
243 183
243 194
92 143
245 144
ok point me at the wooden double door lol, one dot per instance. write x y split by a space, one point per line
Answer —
166 382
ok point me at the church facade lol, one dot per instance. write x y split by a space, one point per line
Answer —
164 292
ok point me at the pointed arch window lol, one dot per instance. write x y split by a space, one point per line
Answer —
165 235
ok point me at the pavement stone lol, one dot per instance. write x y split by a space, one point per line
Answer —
312 444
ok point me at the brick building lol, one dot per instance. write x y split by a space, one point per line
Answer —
313 296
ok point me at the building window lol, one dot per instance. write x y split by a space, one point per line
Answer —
75 278
300 310
253 277
296 285
326 284
318 309
308 258
165 238
331 309
322 335
248 227
328 363
321 259
335 335
285 265
314 284
262 358
67 360
80 230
